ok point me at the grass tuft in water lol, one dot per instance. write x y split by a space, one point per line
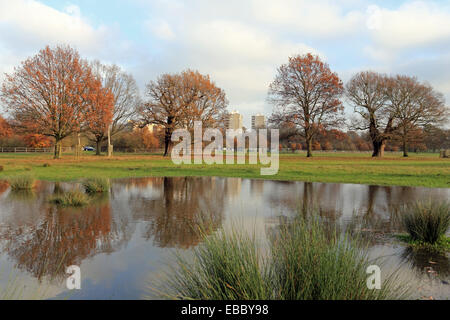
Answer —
427 222
301 261
310 262
70 199
22 182
96 185
227 266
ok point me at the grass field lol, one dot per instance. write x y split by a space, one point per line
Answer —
426 170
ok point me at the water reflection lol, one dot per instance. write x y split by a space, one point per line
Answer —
184 205
61 238
133 226
433 264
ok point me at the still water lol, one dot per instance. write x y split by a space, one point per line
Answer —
124 240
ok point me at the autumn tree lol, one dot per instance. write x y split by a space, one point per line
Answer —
34 140
125 91
99 113
177 100
306 93
366 91
5 128
413 104
49 93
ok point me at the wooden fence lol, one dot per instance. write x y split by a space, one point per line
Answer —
32 150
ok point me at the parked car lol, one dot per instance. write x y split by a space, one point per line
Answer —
88 149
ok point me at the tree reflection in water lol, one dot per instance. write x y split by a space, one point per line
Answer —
184 206
43 239
62 237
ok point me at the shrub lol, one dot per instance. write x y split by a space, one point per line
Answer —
70 199
22 182
427 221
96 185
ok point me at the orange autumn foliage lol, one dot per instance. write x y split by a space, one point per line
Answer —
306 93
50 93
37 141
5 128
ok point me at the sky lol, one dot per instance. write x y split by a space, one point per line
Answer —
238 43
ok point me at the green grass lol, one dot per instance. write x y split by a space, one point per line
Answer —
227 266
22 182
96 185
442 245
70 199
426 222
426 170
303 261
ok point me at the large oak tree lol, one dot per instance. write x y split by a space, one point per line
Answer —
306 93
413 104
50 93
366 91
392 106
178 100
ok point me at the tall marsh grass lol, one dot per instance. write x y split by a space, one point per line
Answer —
302 260
310 262
74 198
96 185
227 266
427 221
22 182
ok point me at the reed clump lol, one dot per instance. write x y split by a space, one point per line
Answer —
96 185
74 198
301 261
427 222
22 182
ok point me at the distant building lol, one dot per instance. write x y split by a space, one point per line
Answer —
234 121
150 127
258 121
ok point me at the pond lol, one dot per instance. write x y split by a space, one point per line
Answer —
124 240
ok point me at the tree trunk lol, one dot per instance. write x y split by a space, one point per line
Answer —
405 147
309 147
378 148
167 142
55 155
97 149
168 135
58 149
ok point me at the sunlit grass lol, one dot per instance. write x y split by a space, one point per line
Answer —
74 198
96 185
418 170
22 182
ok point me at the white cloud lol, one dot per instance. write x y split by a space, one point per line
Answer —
160 28
414 25
73 10
320 18
240 58
26 26
28 23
